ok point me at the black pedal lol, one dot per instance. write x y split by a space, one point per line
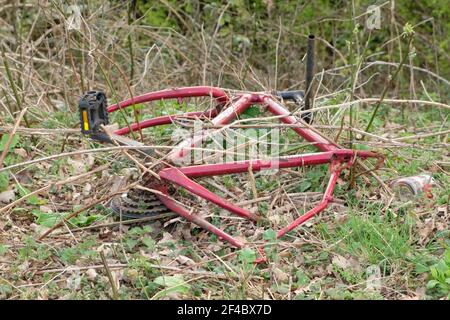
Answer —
298 97
93 112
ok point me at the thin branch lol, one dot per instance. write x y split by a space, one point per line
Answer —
11 136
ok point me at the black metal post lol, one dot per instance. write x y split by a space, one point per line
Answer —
309 78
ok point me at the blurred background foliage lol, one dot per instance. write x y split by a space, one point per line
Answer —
255 37
250 29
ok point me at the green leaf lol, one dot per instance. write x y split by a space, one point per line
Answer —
83 220
5 138
3 249
282 288
34 200
149 242
169 281
323 255
247 255
359 146
270 235
131 243
304 185
421 268
69 255
4 180
47 219
174 283
252 112
302 278
138 231
5 291
432 283
447 257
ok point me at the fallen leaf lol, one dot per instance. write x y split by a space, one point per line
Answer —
166 238
442 210
117 275
185 260
130 275
89 160
280 276
87 189
420 293
425 230
373 281
23 267
213 247
38 229
105 234
77 165
21 152
355 265
441 226
329 269
165 252
340 262
173 284
7 196
341 218
118 183
346 263
75 195
91 274
45 209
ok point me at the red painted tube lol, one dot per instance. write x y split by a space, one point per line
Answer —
202 223
327 198
206 170
176 93
256 165
234 110
174 175
164 120
309 135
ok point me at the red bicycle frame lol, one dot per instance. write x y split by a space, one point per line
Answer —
329 152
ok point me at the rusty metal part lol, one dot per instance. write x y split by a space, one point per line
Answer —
137 203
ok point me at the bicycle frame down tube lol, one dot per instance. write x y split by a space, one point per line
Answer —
172 205
256 165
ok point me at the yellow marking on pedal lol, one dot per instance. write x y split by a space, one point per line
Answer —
85 121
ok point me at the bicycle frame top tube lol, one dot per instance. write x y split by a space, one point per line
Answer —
176 93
